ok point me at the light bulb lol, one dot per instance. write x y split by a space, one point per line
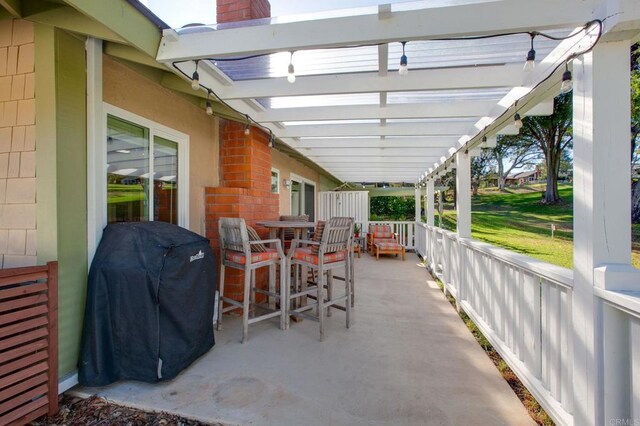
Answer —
291 75
195 81
530 64
517 121
247 130
403 69
567 82
483 145
209 108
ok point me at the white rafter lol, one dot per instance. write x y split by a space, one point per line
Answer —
433 79
490 17
396 129
363 112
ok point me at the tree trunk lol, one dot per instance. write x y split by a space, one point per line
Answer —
553 167
635 202
501 178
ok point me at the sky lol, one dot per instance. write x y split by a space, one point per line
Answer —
176 14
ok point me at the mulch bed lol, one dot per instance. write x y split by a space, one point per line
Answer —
96 411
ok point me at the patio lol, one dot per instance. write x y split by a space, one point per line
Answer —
407 359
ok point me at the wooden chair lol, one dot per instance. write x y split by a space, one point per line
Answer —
379 232
331 253
238 251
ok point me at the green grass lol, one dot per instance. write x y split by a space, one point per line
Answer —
518 221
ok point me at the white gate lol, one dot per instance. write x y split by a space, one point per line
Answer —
353 204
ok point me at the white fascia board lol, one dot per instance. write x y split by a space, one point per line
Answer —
363 112
395 129
490 17
430 79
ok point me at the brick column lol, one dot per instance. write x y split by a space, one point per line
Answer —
242 10
245 191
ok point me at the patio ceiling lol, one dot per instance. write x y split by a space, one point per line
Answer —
351 112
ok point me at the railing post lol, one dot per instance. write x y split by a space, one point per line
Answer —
463 194
430 202
463 219
601 119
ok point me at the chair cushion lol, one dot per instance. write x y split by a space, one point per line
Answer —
305 254
377 235
317 236
388 245
253 236
238 257
379 228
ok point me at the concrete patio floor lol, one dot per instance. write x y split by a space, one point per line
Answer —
406 360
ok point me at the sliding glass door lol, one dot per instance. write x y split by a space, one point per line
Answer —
303 197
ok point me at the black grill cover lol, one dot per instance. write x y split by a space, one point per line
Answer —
150 300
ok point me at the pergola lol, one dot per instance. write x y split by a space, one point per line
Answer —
351 112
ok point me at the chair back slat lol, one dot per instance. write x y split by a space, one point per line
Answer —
337 235
233 234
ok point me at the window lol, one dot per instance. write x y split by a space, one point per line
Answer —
146 175
275 181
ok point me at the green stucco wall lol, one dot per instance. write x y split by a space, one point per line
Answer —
61 177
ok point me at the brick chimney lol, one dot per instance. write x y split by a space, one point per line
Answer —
242 10
245 166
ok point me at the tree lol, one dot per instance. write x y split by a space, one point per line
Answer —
512 152
553 136
480 167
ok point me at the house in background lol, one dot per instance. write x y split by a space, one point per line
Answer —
523 178
93 130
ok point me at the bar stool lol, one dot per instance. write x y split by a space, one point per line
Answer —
239 251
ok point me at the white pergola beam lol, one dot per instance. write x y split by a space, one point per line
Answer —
363 112
429 23
327 161
431 79
395 129
441 143
391 152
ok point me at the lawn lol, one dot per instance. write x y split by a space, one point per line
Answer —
516 220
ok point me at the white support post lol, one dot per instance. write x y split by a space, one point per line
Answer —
418 193
601 210
430 202
96 154
463 193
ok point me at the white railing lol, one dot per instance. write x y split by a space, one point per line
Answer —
524 308
406 231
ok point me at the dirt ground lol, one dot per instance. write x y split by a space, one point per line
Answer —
95 411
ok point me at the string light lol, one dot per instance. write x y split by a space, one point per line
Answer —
517 121
209 106
291 72
272 141
567 82
195 78
483 145
530 64
404 69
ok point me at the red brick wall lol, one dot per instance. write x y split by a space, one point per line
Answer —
245 191
242 10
